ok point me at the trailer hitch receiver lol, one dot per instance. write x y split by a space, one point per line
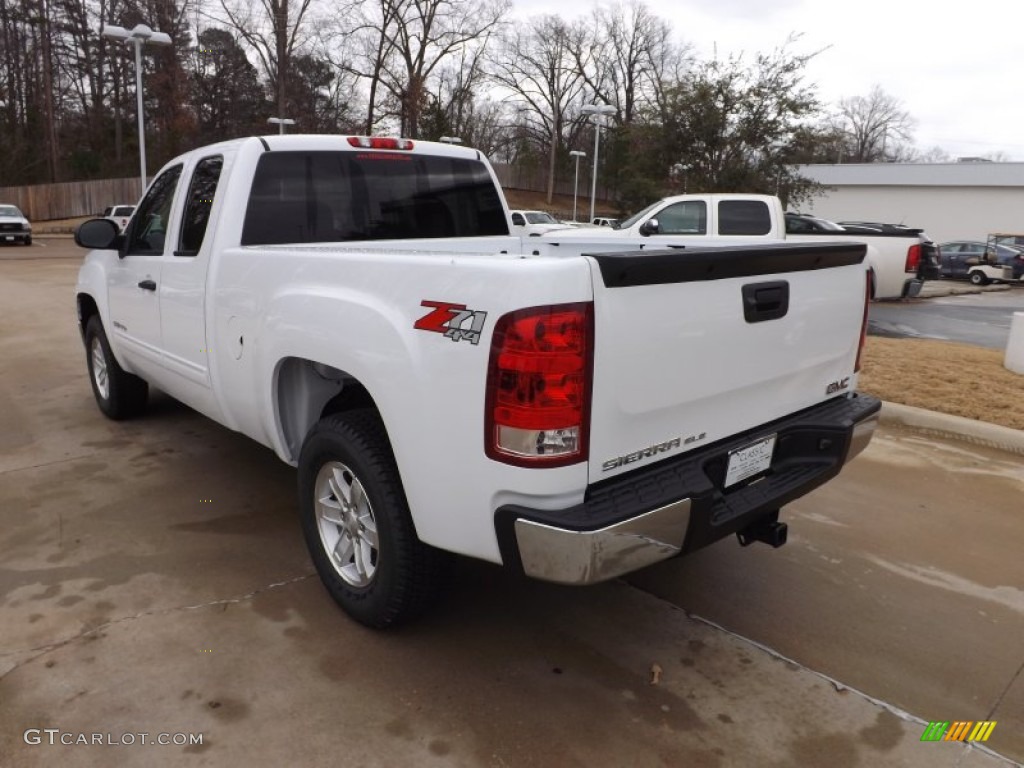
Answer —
768 530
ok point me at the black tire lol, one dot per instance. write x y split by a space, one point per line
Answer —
28 241
125 394
406 573
977 278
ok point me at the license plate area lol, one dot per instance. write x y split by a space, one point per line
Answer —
752 459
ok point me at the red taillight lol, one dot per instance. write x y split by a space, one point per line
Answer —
913 258
863 324
538 386
379 142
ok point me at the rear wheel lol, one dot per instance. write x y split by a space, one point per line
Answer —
977 278
357 524
119 394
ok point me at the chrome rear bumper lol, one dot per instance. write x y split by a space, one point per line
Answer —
587 557
679 504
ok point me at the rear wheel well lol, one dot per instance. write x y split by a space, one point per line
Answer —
308 391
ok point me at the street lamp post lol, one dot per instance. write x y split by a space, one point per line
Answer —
599 111
281 122
139 35
576 187
677 170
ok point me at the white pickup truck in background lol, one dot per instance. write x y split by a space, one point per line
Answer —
359 306
899 262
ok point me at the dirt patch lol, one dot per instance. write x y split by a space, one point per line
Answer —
944 376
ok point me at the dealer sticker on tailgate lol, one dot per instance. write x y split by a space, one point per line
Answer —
749 460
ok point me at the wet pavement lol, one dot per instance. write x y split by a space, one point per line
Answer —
981 318
153 579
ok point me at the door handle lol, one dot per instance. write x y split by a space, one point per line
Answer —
148 285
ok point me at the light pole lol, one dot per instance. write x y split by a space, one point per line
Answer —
676 170
599 111
450 140
281 122
576 187
139 35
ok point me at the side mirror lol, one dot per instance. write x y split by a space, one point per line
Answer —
98 234
650 227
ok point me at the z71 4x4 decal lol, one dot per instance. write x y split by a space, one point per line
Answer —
453 320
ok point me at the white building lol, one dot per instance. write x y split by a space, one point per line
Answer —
949 201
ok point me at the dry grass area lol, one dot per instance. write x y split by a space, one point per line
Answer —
561 205
943 376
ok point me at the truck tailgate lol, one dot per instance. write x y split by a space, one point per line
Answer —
695 345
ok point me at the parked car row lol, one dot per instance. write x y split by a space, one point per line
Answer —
535 223
981 262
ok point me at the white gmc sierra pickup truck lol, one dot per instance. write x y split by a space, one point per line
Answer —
359 306
898 263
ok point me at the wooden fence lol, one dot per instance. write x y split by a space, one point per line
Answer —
536 180
46 202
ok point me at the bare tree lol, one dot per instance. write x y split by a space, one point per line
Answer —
452 103
426 33
875 127
934 155
370 42
536 66
275 30
620 55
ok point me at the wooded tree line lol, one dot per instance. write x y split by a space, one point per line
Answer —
422 69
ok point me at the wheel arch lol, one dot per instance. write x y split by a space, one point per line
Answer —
87 309
306 391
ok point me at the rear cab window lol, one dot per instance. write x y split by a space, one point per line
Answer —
744 217
343 196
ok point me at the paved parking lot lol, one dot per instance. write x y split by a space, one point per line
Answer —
153 580
982 318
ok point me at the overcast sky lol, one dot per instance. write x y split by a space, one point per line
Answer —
958 72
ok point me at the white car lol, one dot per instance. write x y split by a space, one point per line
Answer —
14 226
119 214
533 223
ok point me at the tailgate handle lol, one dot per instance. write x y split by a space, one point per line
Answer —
765 301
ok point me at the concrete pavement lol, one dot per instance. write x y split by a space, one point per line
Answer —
936 288
954 427
153 579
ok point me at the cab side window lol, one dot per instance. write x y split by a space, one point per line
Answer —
198 205
149 226
686 218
